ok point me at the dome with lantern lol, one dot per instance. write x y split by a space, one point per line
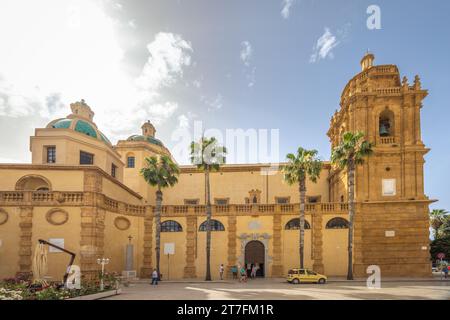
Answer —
80 120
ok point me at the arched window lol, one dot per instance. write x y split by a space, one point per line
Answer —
337 223
215 226
294 224
386 123
33 183
171 226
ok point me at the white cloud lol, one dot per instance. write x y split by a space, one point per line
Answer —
213 104
324 46
132 24
246 56
57 52
285 11
197 83
168 56
246 52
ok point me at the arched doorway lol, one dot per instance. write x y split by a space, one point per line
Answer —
255 255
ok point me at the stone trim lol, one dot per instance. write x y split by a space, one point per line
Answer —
191 242
48 216
5 215
92 240
25 245
277 267
147 267
231 251
317 242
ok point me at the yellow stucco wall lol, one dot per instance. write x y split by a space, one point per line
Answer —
70 232
116 241
10 238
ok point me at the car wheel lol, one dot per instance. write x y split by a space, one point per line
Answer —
322 280
295 281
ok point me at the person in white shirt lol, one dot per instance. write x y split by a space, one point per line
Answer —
155 277
221 271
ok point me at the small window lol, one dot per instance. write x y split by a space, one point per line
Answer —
130 162
215 226
282 200
171 226
51 154
294 224
113 170
342 198
191 202
221 202
86 158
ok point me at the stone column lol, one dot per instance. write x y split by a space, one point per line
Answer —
26 246
317 241
277 264
231 259
147 268
191 239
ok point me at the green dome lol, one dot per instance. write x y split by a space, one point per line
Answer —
150 139
62 124
80 126
86 128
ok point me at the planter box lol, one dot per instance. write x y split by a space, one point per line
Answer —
99 295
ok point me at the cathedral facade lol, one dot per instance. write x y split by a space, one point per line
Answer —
86 194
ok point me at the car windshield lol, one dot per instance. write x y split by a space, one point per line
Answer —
311 272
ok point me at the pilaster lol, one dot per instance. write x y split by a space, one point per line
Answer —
147 267
25 249
191 239
277 266
317 242
232 258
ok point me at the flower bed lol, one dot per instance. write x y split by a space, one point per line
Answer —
21 288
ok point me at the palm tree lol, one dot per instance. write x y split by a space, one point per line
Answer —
207 155
348 154
437 218
160 172
305 163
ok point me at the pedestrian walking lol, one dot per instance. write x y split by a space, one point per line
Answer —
234 271
221 271
445 271
154 277
253 273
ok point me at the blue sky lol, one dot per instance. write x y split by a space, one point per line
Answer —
231 64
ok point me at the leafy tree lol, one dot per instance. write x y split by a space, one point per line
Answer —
160 172
439 222
351 152
304 163
208 156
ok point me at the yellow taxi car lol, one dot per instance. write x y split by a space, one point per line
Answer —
305 276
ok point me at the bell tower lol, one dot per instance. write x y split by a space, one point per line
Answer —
148 130
387 110
391 217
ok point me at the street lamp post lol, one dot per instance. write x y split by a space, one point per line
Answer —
102 262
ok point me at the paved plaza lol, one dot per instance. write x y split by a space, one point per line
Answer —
273 289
